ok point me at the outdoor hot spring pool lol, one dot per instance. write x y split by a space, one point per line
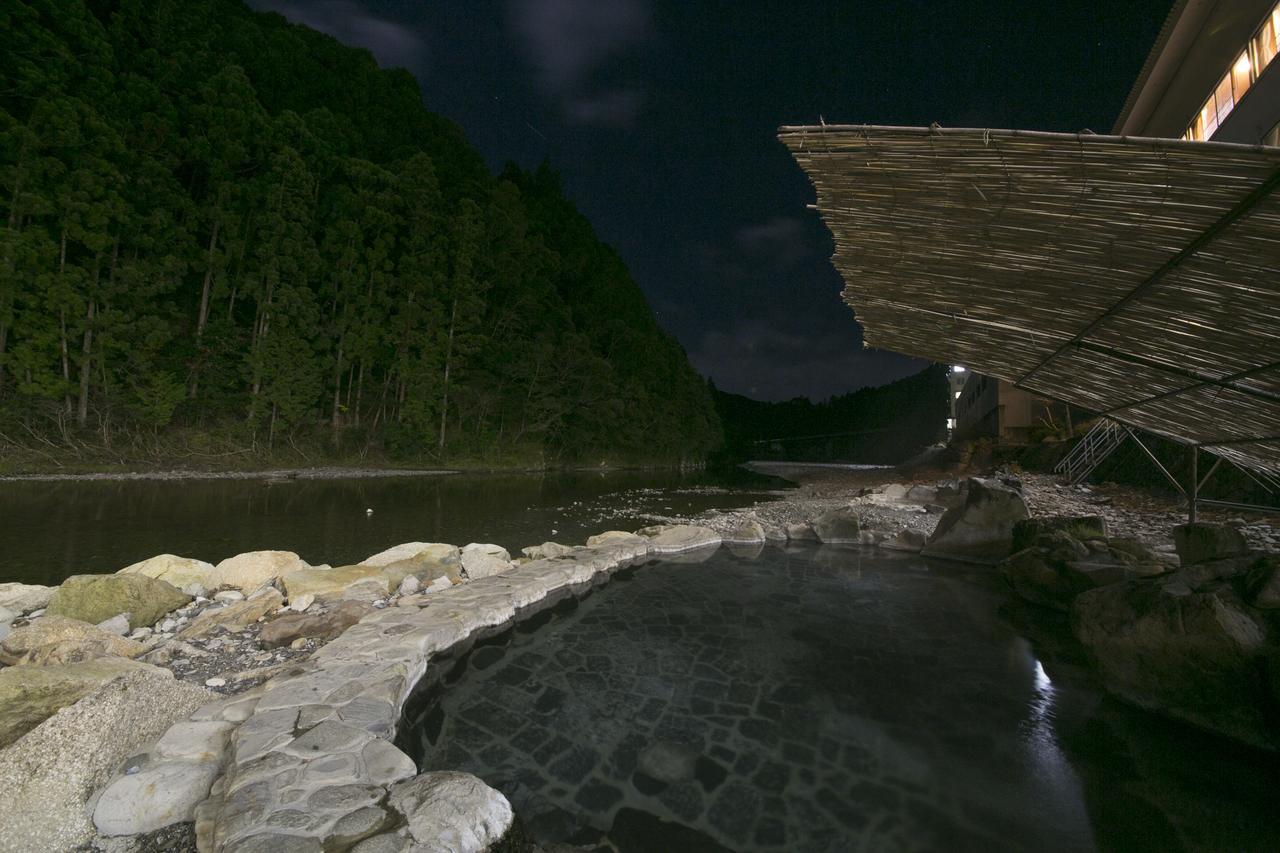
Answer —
824 699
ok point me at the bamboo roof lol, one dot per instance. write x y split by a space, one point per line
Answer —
1138 278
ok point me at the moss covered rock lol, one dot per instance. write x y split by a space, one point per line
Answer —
96 598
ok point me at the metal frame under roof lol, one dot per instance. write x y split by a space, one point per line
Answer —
1138 278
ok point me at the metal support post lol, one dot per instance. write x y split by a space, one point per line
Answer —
1194 497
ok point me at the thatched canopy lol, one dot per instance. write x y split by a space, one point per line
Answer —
1139 278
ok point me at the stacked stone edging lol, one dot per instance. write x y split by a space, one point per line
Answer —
310 764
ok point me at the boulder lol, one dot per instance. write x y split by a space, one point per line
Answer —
906 539
838 526
546 551
431 550
24 597
1262 580
118 625
745 531
6 621
253 569
234 616
409 586
922 495
981 528
326 626
56 639
451 811
186 573
328 584
801 531
774 532
1078 527
434 561
1197 654
1200 543
29 695
95 598
1057 569
481 560
677 538
50 774
896 492
165 786
614 537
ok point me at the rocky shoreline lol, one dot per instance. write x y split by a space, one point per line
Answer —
172 702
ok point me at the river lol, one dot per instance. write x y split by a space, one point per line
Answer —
51 530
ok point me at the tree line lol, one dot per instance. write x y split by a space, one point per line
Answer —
215 221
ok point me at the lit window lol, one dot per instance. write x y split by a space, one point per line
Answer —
957 368
957 395
1223 96
1208 120
1264 43
1241 76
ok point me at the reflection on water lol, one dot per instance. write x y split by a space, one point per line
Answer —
49 530
822 699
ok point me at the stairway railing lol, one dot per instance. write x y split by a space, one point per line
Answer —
1089 452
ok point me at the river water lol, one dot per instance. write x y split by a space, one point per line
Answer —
51 530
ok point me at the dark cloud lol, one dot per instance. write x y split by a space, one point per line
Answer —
393 45
777 360
570 42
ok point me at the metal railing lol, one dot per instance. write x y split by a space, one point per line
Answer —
1097 444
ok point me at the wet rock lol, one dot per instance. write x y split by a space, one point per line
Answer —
1057 568
1201 655
614 537
48 776
838 526
29 695
745 531
481 560
23 597
118 625
981 528
234 616
677 538
546 551
801 531
56 639
95 598
1263 583
253 569
451 811
285 630
1199 543
907 539
1078 527
335 583
186 573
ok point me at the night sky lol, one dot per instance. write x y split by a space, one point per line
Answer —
661 117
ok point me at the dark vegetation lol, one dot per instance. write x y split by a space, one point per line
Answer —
882 425
226 239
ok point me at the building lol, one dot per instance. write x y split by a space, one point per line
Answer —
986 407
1212 75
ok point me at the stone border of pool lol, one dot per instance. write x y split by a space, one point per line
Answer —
306 760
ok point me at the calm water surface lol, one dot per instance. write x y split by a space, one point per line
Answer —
825 699
50 530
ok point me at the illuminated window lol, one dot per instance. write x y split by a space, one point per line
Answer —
1208 119
1241 76
1264 43
1223 96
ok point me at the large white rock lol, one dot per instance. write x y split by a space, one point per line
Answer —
677 538
614 537
48 776
980 529
24 597
480 560
253 569
408 550
157 795
186 573
450 811
746 531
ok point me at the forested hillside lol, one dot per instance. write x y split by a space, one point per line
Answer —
882 425
229 234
